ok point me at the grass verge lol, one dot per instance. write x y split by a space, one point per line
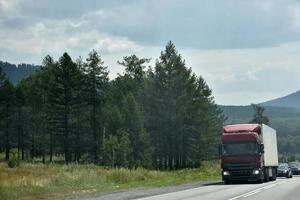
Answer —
54 181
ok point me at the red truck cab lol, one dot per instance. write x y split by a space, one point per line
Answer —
242 154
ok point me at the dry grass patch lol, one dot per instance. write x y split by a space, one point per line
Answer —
53 181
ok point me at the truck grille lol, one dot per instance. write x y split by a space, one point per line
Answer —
240 166
241 173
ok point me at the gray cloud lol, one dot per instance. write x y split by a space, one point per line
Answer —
242 48
57 9
208 24
201 24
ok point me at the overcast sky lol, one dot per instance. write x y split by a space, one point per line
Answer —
247 51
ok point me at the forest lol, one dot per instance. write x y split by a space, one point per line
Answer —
158 117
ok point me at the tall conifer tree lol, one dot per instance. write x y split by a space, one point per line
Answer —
96 81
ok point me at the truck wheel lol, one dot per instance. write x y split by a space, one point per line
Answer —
260 181
274 172
226 182
266 174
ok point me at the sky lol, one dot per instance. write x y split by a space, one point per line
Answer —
247 51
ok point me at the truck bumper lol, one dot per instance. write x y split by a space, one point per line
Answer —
242 175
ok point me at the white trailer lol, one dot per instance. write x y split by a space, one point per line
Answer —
269 140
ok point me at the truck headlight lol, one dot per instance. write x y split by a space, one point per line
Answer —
255 171
226 173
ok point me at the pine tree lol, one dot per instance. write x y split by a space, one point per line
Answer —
61 98
170 78
127 93
206 124
48 73
33 126
20 103
178 112
7 99
259 115
80 114
96 81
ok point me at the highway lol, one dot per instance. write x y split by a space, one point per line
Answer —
281 189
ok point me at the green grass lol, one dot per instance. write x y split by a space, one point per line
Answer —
54 181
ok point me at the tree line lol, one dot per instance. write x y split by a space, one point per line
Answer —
162 117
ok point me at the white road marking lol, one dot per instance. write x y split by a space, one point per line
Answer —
257 190
270 186
247 194
252 193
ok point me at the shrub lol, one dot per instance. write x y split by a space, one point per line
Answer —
14 162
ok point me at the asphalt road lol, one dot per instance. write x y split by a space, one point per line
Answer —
281 189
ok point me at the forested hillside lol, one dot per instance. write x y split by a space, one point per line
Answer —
15 73
284 119
291 100
161 117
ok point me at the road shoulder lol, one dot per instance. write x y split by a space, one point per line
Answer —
145 192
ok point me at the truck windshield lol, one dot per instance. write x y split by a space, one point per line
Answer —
236 149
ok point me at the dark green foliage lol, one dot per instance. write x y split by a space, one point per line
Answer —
95 83
136 133
31 115
182 117
162 118
117 149
7 109
127 97
14 162
134 67
62 99
20 120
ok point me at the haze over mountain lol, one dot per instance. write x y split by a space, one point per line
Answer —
291 100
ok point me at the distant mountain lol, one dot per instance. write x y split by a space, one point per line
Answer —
291 100
15 73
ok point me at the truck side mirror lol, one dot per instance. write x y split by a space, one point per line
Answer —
262 148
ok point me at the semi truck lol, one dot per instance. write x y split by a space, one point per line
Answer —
249 153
